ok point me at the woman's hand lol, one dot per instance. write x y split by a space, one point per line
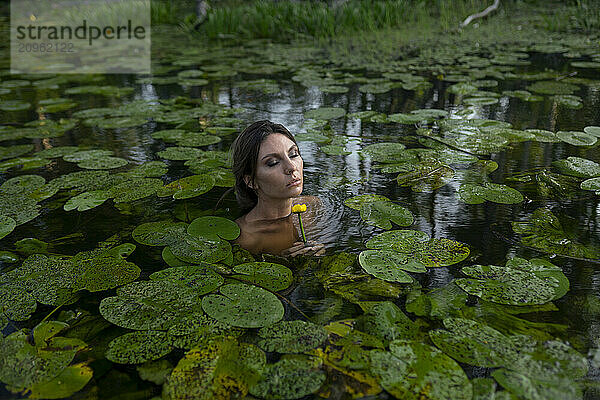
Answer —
311 248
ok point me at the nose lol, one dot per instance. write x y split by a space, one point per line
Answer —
290 167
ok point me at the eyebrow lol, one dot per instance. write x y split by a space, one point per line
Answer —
275 154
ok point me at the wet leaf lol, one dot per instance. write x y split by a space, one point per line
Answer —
477 194
577 166
576 138
161 233
244 306
201 278
387 322
383 213
389 265
7 225
325 113
154 305
86 200
103 163
188 187
138 347
414 370
591 184
271 276
214 228
357 202
291 337
289 378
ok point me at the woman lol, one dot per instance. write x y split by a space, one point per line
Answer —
269 179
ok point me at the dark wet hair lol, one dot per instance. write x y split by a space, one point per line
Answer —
244 154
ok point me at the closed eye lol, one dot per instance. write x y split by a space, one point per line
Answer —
273 163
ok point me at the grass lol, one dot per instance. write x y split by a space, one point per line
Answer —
284 21
581 16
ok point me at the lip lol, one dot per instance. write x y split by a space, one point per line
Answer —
297 182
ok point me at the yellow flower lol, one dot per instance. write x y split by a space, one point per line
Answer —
299 208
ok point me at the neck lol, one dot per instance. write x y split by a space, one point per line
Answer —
271 209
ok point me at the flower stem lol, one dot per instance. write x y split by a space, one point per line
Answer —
302 228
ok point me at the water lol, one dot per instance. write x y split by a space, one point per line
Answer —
440 214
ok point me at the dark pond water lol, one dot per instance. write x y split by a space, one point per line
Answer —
485 228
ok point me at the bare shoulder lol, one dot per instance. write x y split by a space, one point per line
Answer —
246 239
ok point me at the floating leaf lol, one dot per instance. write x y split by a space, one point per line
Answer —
569 101
357 202
188 187
289 378
325 113
477 194
7 225
155 371
180 153
536 389
103 163
245 306
214 228
544 232
426 177
591 184
154 305
271 276
411 369
576 138
86 200
291 337
387 322
16 303
552 87
71 380
160 233
14 105
383 213
592 130
138 347
202 278
417 245
389 265
578 166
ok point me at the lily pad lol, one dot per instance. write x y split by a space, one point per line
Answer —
195 249
520 282
86 200
591 184
552 87
138 347
83 155
188 187
160 233
7 225
577 166
544 232
383 213
244 306
180 153
477 194
154 305
201 278
103 163
576 138
426 177
569 101
214 228
325 113
592 130
271 276
291 337
14 105
389 265
289 378
411 369
417 245
357 202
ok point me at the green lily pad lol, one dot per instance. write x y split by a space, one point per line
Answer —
291 337
577 166
54 105
417 245
7 225
477 194
426 177
15 151
271 276
113 91
325 113
387 322
518 283
592 130
188 187
84 155
542 135
244 306
289 378
576 138
201 278
474 343
14 105
180 153
552 87
24 364
135 189
569 101
407 119
335 150
155 371
591 184
530 388
193 139
138 347
523 95
389 265
71 380
411 369
357 202
86 200
16 303
154 305
544 232
220 369
152 169
160 233
103 163
377 88
195 249
480 101
383 213
214 228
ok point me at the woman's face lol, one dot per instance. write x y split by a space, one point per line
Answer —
279 168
